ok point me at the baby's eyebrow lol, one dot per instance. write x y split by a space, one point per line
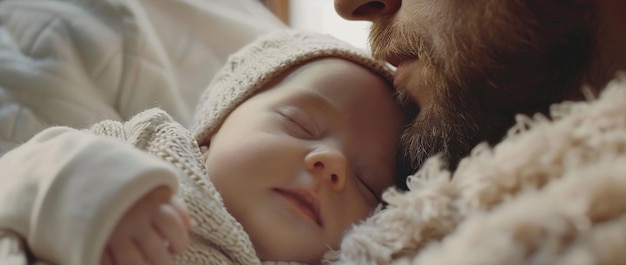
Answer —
323 102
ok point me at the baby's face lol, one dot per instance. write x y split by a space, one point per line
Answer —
301 162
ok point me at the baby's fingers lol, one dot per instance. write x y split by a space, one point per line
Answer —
126 252
181 208
171 226
154 249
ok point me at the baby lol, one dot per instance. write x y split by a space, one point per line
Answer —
298 133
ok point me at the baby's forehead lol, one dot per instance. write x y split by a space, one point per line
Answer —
342 82
327 70
338 62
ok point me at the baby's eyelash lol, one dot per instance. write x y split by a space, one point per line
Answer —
369 189
295 122
301 120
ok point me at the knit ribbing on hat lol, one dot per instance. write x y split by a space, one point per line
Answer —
252 67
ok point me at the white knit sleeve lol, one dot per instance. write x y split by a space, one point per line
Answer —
64 190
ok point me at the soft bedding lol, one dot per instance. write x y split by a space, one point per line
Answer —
76 62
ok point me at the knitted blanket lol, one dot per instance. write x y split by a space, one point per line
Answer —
552 192
217 238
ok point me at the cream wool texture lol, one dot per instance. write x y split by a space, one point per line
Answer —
250 69
218 238
552 192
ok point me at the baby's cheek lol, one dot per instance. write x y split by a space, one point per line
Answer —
348 216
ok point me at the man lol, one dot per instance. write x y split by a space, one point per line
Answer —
470 66
548 193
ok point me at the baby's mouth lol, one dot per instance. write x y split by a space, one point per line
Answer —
304 202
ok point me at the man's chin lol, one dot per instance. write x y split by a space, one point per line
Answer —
431 135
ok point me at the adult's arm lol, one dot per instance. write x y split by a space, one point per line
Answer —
64 190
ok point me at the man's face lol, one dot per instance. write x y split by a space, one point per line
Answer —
470 66
301 162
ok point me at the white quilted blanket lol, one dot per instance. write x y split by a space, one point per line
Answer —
76 62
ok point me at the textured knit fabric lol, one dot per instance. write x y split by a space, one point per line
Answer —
217 237
553 192
247 71
63 192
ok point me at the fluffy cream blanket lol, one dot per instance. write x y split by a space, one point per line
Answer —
552 192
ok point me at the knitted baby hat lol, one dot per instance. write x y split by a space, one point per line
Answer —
259 62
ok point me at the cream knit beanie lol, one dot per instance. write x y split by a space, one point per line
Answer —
259 62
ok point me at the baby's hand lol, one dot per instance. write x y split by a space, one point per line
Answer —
151 232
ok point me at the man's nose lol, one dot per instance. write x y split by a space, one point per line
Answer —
329 166
366 9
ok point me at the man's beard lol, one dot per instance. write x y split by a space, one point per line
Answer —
447 127
479 86
448 130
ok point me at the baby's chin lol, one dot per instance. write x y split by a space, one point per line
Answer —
272 245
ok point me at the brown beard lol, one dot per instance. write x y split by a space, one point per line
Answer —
449 130
483 77
444 128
